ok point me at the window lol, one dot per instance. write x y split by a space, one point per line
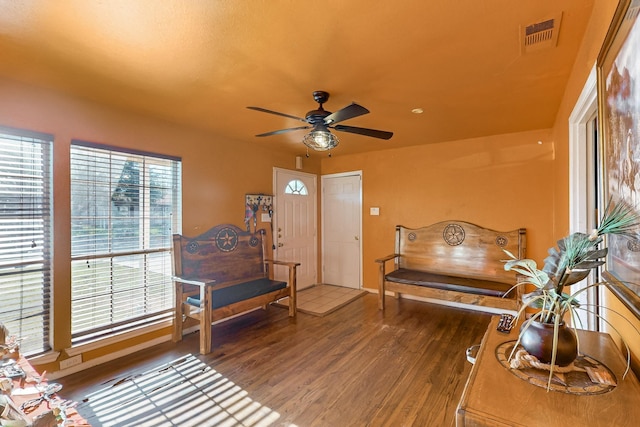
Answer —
124 208
25 237
295 186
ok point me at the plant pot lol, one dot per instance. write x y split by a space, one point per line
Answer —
537 338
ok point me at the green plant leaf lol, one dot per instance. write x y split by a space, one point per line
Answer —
587 265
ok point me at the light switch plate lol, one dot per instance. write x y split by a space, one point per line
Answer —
374 211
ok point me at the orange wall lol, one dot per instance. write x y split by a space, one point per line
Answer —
501 182
216 173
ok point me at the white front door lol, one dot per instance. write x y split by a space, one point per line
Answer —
341 231
295 225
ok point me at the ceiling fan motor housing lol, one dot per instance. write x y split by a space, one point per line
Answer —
315 117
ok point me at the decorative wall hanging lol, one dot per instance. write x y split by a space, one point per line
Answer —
255 203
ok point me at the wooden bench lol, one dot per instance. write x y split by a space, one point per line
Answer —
221 273
454 261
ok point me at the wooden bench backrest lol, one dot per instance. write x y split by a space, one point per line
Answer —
458 248
224 253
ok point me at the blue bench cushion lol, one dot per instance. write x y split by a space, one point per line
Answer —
240 292
445 282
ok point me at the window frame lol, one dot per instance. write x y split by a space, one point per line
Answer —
113 257
32 221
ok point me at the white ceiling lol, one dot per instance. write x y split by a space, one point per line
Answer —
200 63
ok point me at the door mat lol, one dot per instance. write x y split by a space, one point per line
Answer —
320 300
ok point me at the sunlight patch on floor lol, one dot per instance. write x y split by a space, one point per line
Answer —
185 392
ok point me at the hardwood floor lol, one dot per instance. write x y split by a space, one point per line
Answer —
354 367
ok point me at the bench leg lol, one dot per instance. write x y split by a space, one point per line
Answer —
206 318
178 312
293 297
381 287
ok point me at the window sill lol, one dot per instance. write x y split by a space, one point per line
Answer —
116 338
41 359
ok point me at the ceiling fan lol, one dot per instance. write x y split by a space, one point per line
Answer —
320 120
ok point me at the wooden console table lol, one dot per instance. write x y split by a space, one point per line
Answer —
494 396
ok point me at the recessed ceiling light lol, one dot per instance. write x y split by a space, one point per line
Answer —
417 111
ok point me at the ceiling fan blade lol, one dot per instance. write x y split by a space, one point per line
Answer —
277 132
264 110
364 131
348 112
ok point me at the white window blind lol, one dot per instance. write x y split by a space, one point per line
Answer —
25 237
124 208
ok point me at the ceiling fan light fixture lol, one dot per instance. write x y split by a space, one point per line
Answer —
320 140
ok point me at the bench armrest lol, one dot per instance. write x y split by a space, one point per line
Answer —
287 263
387 258
293 282
383 263
292 269
194 281
204 285
292 273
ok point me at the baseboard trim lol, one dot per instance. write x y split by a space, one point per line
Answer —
113 356
125 352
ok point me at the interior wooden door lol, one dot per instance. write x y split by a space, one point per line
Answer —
341 230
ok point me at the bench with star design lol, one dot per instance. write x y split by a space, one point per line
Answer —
221 273
453 261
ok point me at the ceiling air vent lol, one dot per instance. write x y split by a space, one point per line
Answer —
540 35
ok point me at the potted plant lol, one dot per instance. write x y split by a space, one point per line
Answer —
545 334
